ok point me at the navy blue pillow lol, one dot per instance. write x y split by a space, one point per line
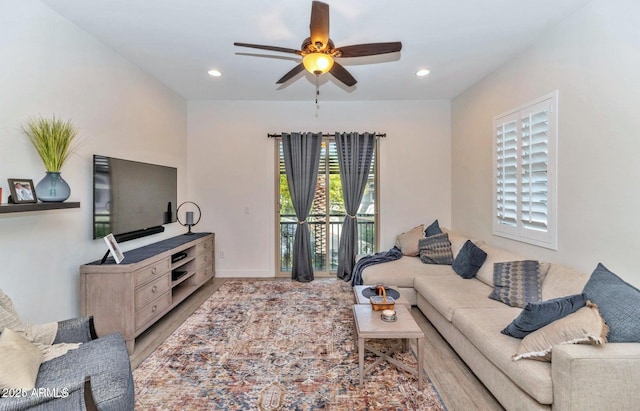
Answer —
536 315
469 260
619 304
433 229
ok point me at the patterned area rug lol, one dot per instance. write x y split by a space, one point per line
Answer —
274 345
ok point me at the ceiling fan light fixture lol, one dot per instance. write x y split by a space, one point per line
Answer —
317 63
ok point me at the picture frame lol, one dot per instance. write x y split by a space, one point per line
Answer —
22 190
116 252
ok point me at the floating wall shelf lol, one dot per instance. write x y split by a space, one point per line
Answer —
21 208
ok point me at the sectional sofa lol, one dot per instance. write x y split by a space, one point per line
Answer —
578 377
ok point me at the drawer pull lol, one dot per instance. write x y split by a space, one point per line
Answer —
206 257
154 289
154 270
154 308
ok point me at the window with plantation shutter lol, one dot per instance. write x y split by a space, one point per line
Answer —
525 142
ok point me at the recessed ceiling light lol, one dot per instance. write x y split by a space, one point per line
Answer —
214 73
422 72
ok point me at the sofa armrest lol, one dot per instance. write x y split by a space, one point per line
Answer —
75 330
596 378
76 396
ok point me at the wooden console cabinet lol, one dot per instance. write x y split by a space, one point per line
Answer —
129 297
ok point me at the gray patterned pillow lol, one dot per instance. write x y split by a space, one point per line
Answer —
436 249
517 283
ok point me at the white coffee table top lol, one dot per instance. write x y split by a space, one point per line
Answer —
369 323
361 299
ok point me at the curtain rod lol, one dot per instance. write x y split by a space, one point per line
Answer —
381 135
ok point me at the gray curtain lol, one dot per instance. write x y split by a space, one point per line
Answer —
355 152
301 158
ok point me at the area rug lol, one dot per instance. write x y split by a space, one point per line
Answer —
274 345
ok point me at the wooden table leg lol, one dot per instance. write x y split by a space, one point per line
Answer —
420 362
361 358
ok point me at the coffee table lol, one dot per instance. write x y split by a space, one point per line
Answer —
369 325
361 299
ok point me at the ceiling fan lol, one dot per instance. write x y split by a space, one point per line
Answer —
318 51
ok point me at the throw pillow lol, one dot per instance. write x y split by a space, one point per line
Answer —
469 260
436 249
433 229
619 303
20 361
536 315
517 283
585 326
408 242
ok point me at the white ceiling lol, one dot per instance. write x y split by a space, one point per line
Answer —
178 41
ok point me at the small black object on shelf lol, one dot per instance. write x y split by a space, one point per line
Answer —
178 256
189 216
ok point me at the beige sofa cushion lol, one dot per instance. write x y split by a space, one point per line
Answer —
408 242
402 272
449 293
482 327
585 326
562 281
494 255
456 240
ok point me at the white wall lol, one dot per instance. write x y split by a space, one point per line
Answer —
592 58
49 66
231 165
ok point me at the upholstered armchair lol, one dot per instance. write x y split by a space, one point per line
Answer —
77 371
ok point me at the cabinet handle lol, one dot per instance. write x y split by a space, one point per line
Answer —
154 308
154 289
206 257
154 270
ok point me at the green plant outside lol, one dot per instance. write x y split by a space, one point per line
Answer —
336 200
53 139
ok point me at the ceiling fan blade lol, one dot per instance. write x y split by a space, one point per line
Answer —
319 25
297 69
371 49
271 48
341 73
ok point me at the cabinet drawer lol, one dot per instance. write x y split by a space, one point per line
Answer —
152 271
205 246
204 259
203 274
151 291
151 310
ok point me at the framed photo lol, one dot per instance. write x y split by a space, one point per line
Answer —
22 190
114 248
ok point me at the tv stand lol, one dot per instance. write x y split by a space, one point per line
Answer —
130 297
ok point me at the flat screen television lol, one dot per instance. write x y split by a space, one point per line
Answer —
132 199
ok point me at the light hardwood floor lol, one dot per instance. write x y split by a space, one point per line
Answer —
457 385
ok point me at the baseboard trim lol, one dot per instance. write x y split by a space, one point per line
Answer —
245 274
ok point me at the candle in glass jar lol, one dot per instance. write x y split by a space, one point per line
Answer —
189 218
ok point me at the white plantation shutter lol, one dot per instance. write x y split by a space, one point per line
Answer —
524 178
507 173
